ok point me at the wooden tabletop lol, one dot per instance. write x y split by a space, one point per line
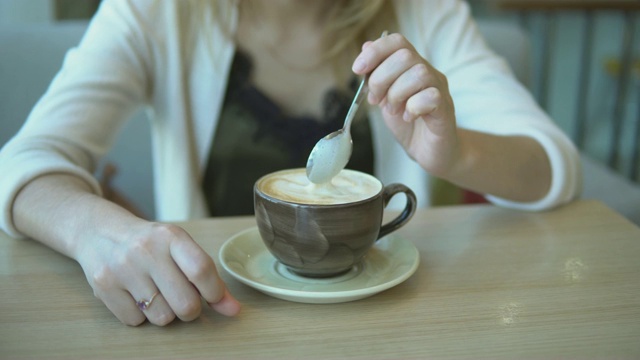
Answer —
491 283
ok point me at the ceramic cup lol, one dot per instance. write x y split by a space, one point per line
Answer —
325 230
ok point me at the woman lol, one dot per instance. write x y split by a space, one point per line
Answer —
233 84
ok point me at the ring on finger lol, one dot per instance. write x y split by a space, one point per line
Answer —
145 304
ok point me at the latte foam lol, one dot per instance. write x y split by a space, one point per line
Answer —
293 186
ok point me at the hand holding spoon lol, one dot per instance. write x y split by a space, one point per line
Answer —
332 153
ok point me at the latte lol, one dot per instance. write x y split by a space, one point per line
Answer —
292 185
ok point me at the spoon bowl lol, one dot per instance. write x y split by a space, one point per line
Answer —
330 155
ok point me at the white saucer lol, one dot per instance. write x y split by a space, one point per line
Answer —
390 261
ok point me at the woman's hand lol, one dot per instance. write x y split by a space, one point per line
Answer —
152 258
415 101
418 108
125 259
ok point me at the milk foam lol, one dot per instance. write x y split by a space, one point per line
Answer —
294 186
329 157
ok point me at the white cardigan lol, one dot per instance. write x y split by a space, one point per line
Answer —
148 53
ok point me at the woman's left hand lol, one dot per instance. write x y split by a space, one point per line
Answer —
415 101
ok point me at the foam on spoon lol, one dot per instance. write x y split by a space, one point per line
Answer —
330 156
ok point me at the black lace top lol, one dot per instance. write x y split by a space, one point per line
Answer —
254 137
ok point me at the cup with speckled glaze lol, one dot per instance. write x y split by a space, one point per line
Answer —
325 230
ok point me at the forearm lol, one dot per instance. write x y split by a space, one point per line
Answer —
61 211
514 168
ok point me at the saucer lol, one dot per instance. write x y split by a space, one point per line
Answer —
389 262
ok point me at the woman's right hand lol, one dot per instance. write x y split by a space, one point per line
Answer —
148 258
126 259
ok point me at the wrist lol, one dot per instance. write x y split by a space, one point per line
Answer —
453 163
104 222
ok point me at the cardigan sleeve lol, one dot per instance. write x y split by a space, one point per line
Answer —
100 85
487 95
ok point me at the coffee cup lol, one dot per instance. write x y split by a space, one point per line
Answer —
323 230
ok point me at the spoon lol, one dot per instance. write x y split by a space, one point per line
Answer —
332 153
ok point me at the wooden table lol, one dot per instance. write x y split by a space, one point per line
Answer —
491 283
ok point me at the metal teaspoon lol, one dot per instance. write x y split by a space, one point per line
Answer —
332 153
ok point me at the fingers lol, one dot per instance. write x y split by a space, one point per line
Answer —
154 307
408 84
228 305
200 270
424 103
384 59
391 70
181 297
400 79
158 274
119 302
374 52
124 304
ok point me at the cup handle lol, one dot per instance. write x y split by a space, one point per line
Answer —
410 208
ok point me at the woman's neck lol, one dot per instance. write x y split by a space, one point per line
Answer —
283 15
288 30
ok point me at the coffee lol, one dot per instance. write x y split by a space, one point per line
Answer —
292 185
324 230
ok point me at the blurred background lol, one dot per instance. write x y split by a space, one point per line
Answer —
585 70
581 60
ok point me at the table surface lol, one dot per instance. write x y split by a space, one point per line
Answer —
491 282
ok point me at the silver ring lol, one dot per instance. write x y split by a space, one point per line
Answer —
144 304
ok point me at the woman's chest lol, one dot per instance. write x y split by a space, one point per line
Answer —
298 91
